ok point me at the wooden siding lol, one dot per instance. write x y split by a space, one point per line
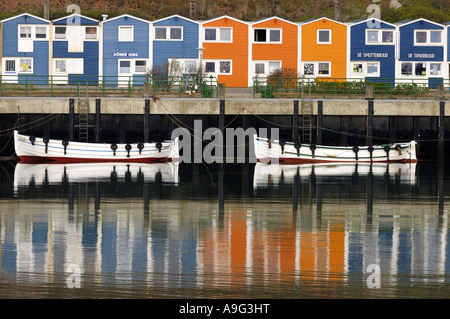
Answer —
237 51
111 44
336 52
186 49
360 51
407 46
286 51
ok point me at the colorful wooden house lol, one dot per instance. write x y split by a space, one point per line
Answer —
25 49
323 49
125 51
175 40
76 50
225 43
372 45
421 52
274 47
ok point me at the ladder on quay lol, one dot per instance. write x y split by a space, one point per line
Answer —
83 117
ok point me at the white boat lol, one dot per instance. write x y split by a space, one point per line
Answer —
280 151
35 149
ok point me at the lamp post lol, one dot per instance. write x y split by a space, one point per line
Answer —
200 54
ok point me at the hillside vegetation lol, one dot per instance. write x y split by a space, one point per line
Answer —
248 10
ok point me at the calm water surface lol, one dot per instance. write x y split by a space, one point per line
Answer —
224 231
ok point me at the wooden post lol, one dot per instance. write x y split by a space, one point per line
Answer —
319 122
295 123
369 134
222 115
97 120
441 131
147 121
71 118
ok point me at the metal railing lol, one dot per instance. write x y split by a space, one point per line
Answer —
272 87
29 85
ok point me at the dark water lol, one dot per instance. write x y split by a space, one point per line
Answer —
224 231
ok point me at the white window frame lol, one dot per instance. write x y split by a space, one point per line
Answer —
6 71
330 36
20 65
67 61
217 66
268 35
428 41
440 69
33 28
65 66
168 28
54 33
135 67
20 26
316 68
380 37
86 34
119 38
46 33
377 74
218 40
17 65
428 69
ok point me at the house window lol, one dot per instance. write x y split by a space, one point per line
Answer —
25 65
259 68
274 66
379 37
407 68
373 69
141 66
323 36
175 33
210 34
357 68
25 32
60 66
274 35
324 68
435 69
421 69
210 67
224 34
387 36
309 69
10 65
126 34
425 37
189 67
372 36
41 32
160 33
91 32
60 32
225 67
124 67
435 36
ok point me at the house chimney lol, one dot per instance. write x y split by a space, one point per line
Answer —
337 11
192 4
47 9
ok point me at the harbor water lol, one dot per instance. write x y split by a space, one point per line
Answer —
177 230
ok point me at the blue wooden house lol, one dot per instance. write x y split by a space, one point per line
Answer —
176 39
75 50
25 49
421 51
372 47
125 50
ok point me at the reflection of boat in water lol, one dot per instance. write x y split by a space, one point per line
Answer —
55 173
32 149
297 153
266 174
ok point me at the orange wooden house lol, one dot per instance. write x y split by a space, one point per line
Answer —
323 51
274 46
225 50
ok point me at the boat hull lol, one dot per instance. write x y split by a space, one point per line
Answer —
36 150
278 151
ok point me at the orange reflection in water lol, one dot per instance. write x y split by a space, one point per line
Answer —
241 250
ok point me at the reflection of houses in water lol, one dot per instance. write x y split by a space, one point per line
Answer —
263 244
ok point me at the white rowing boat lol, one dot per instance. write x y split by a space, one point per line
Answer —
280 151
34 149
